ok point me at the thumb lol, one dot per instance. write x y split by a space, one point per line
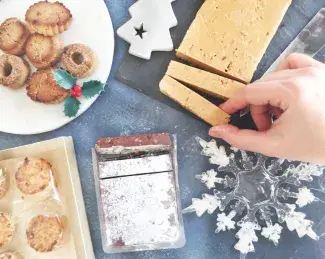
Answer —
250 140
296 61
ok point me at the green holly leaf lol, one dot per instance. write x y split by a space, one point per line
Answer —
71 106
64 79
92 88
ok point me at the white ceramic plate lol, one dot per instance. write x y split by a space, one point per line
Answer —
92 26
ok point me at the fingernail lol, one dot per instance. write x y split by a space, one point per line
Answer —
217 131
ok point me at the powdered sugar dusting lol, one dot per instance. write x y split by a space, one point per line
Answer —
140 210
141 165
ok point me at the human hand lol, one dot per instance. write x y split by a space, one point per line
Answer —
295 94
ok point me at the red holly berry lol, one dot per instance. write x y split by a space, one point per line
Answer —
77 88
78 94
76 91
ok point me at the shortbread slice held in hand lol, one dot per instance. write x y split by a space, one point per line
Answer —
193 102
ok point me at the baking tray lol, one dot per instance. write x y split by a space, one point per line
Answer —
69 185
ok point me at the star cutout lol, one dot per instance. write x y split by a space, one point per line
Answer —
140 31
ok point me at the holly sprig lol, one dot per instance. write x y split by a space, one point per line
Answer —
67 81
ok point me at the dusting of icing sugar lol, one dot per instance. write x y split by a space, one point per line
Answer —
185 191
141 165
140 210
120 150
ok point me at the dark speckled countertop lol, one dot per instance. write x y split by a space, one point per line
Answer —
122 110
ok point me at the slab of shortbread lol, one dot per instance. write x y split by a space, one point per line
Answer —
229 37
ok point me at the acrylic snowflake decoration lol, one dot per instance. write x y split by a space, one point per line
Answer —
260 194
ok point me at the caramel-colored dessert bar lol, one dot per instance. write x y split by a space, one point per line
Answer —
229 37
193 102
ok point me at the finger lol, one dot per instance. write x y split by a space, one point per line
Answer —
259 93
249 140
296 60
236 103
261 117
285 74
277 112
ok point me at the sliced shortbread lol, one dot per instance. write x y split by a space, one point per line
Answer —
203 81
193 102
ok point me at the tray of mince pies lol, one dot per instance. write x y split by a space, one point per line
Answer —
38 204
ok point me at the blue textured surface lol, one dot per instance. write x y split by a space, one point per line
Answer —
121 110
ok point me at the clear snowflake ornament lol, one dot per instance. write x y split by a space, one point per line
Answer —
260 193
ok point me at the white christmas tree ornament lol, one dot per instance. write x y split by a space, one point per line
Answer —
304 197
148 29
208 203
272 232
225 222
